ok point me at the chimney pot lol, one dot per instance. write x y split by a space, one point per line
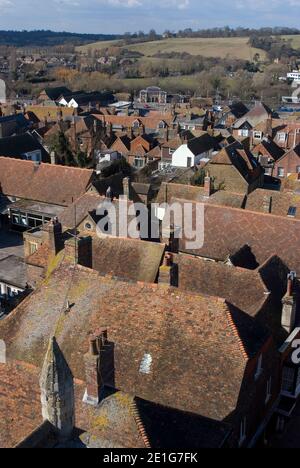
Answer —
96 365
93 347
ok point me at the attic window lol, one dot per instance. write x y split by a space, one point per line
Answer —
146 364
292 212
136 124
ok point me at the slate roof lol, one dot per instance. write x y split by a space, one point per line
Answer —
13 271
203 144
20 119
16 146
55 93
46 183
200 346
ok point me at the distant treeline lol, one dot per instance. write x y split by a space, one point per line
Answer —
276 47
238 32
50 38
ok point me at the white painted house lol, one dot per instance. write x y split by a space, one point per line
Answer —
194 151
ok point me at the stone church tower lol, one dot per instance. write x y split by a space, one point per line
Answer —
57 391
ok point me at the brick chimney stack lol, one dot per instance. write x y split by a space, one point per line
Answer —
79 251
93 365
289 303
52 235
207 186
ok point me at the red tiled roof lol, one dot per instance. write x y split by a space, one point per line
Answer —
189 338
47 183
229 229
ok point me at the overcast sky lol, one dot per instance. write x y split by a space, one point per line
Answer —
119 16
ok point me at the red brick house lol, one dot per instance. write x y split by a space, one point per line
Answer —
288 164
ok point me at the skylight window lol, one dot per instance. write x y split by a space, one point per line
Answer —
146 364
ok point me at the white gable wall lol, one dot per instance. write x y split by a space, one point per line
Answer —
181 155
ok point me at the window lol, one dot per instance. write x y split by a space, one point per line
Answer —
259 368
136 124
88 226
139 162
189 162
269 390
280 172
161 124
257 135
281 137
298 169
292 212
32 248
243 431
244 132
288 380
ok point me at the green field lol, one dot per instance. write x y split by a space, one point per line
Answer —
216 47
295 41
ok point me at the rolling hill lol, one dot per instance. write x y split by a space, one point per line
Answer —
236 47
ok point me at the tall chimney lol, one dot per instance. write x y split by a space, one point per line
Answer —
289 303
207 186
93 368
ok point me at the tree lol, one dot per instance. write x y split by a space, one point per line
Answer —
60 145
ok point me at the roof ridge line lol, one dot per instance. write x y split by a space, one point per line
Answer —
235 331
139 423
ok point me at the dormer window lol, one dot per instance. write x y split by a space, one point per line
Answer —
136 124
281 137
161 124
257 135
